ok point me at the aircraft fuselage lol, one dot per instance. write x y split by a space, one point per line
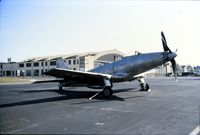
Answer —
126 68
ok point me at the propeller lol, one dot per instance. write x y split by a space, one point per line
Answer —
171 54
174 68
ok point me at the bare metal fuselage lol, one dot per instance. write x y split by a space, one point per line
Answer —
126 68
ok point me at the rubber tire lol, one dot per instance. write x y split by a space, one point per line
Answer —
147 87
107 92
144 88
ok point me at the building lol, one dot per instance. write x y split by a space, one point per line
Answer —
187 70
9 69
197 70
80 61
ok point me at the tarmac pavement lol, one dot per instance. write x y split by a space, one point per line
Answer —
172 107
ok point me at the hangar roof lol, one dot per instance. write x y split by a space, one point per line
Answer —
73 56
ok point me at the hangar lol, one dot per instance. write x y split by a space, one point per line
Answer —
77 61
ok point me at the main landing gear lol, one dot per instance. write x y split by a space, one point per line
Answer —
107 90
144 86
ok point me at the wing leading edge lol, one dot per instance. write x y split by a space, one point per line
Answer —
78 76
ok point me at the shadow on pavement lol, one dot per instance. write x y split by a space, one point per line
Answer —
65 95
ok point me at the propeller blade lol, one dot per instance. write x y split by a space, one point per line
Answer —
163 37
164 42
174 68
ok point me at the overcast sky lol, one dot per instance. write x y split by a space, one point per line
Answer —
31 28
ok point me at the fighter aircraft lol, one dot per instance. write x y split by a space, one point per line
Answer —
127 69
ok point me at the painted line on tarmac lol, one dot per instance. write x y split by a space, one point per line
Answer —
196 131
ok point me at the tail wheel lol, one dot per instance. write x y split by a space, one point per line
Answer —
107 92
60 87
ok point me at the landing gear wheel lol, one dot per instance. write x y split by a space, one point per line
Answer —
145 87
107 92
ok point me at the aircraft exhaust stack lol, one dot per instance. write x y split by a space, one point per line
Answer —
171 54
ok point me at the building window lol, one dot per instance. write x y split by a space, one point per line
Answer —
36 72
69 62
28 64
21 65
74 62
77 61
1 66
52 63
82 61
8 73
28 72
42 63
36 64
46 63
21 72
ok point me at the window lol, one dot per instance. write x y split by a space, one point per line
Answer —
52 63
69 62
82 61
28 72
8 73
46 63
77 61
21 65
36 64
28 64
42 63
74 62
36 72
21 72
1 66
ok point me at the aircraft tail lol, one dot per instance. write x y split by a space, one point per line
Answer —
171 56
61 64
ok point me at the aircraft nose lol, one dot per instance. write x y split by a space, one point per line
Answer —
172 55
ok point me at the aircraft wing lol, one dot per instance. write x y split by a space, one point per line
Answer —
78 76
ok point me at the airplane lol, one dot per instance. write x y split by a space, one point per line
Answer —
127 69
